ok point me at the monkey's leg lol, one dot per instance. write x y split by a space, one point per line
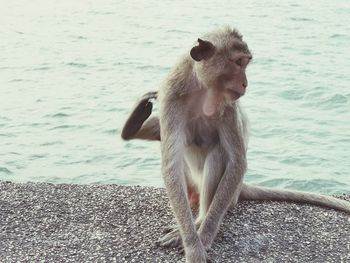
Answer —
135 128
150 130
185 235
212 173
213 169
226 194
173 168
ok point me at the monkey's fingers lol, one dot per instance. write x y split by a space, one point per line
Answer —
172 239
169 229
182 251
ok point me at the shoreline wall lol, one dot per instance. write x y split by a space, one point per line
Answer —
42 222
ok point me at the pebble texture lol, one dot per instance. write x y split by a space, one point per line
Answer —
42 222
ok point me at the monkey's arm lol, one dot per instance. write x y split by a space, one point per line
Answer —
173 166
229 187
135 127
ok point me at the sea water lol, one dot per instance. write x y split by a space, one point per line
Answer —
70 72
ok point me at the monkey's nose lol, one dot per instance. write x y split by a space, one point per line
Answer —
245 82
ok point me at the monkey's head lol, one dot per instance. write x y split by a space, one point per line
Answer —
221 59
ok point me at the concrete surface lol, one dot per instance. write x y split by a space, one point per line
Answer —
42 222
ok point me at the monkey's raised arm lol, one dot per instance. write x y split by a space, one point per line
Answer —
135 127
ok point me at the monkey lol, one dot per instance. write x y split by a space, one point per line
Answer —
203 137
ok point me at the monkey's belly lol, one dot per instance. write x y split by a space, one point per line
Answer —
195 158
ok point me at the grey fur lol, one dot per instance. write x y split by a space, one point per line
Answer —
213 148
209 152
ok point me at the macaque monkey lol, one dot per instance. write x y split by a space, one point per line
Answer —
203 138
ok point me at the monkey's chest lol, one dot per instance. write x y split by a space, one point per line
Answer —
201 133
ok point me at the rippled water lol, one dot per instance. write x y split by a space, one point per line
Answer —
71 70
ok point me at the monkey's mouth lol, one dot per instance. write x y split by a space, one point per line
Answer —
233 95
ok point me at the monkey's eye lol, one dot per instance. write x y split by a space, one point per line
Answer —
239 62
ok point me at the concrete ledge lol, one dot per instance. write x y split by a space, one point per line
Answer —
42 222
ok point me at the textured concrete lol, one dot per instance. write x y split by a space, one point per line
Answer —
42 222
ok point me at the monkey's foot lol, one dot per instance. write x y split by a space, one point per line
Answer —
168 229
175 227
171 239
149 95
141 113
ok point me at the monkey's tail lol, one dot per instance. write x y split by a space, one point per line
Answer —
257 193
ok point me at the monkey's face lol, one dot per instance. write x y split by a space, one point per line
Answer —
233 79
221 67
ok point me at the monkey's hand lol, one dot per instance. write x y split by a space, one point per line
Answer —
171 239
141 112
196 254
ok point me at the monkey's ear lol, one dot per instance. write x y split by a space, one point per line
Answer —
204 50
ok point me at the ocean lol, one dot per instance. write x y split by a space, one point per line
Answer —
71 71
